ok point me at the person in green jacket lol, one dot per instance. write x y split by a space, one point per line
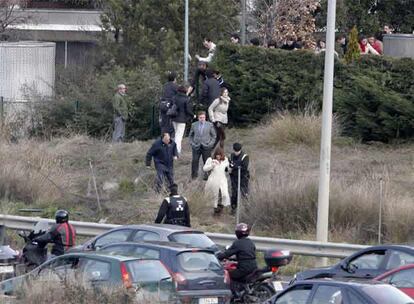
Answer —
120 105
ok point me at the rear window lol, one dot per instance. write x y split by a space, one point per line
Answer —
387 294
198 261
147 271
193 239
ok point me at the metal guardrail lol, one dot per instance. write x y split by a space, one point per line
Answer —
308 248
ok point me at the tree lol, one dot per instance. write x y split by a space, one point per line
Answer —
155 28
353 53
8 16
289 18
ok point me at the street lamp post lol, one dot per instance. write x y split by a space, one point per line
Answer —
243 23
326 138
186 53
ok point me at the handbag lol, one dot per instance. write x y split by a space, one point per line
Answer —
172 111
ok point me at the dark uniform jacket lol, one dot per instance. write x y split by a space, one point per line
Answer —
63 237
175 210
162 153
184 108
245 252
241 160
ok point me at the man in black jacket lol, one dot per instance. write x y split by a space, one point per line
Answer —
244 250
62 234
174 209
239 159
168 93
211 89
164 152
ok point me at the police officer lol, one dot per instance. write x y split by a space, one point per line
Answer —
244 250
239 159
62 234
175 209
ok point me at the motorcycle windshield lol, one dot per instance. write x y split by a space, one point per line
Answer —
41 226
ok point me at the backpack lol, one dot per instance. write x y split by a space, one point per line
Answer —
172 111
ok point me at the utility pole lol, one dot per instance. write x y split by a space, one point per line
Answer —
186 53
325 154
243 23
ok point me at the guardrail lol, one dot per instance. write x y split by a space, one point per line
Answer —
308 248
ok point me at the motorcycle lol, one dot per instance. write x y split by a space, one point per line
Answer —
33 253
263 283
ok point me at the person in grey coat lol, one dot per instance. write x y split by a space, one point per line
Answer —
202 139
211 89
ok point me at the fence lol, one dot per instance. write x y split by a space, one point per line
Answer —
299 247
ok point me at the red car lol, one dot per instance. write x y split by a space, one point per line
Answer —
402 278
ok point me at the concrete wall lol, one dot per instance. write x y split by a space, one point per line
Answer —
399 45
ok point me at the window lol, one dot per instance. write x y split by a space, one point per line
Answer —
328 294
94 270
60 268
355 299
199 261
117 249
403 279
298 295
143 235
370 260
146 253
193 239
147 271
386 294
399 258
113 237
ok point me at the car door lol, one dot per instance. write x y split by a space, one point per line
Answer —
120 235
403 280
367 265
298 294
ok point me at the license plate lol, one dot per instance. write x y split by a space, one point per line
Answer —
208 301
6 269
277 285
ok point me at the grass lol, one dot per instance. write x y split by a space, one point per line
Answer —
284 156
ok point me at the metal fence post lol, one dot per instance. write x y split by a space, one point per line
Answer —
1 111
2 234
238 195
381 181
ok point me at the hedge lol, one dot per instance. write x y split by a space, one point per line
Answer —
374 97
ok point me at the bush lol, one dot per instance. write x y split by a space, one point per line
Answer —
84 104
373 97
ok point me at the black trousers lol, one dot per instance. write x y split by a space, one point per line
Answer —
163 173
205 153
244 188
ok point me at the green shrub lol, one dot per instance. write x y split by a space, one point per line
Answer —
373 97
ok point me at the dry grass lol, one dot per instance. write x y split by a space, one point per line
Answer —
284 158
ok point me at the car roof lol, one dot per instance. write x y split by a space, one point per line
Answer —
340 282
172 246
119 258
390 246
165 228
392 271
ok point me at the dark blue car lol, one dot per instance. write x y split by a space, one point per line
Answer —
367 263
198 275
326 291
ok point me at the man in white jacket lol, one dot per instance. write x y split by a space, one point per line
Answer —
211 46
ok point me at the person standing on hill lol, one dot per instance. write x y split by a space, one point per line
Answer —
202 138
120 106
183 115
218 115
239 159
216 184
164 152
174 209
211 89
168 93
211 46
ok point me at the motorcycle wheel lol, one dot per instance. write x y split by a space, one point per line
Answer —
261 293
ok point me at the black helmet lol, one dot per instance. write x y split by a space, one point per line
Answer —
61 216
242 230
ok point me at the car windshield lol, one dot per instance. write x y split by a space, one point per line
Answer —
192 238
147 271
199 261
387 294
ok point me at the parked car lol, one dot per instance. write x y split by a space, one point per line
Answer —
327 291
99 270
149 232
364 264
198 275
402 278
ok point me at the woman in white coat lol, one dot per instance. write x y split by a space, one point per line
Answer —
217 181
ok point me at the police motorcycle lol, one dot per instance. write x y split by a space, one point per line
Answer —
263 283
